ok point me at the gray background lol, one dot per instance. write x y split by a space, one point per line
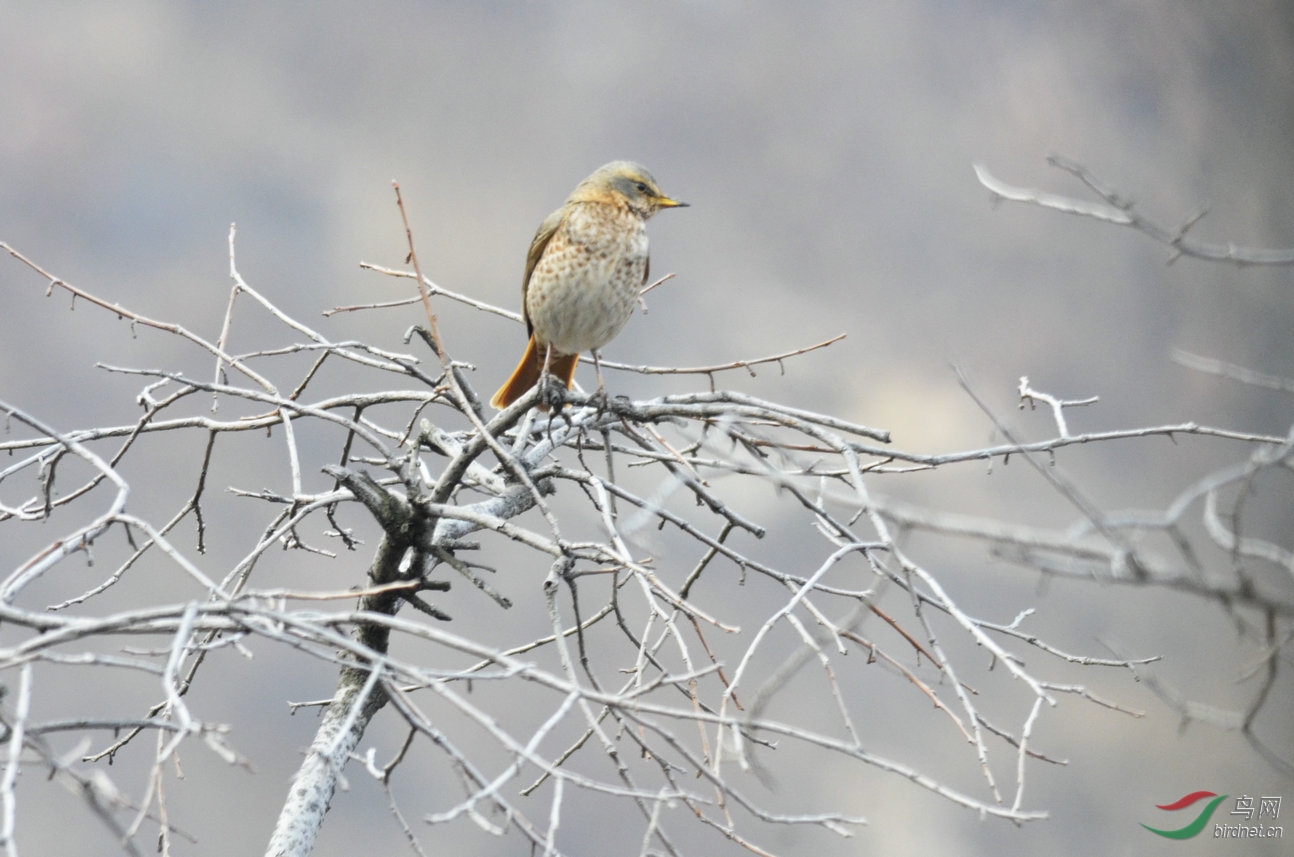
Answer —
826 150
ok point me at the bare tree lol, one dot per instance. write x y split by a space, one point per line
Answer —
652 641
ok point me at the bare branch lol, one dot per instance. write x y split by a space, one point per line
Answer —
1119 210
702 588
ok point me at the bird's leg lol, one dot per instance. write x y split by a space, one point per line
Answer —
600 397
551 390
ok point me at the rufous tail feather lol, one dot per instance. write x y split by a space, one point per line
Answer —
527 374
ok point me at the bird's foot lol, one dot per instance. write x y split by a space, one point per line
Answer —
552 393
600 400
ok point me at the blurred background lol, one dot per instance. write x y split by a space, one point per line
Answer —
826 150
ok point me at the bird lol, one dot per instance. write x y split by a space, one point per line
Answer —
585 269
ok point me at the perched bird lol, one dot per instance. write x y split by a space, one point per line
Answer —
586 267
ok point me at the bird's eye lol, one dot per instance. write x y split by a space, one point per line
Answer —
642 187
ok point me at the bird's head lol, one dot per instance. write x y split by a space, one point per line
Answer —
627 181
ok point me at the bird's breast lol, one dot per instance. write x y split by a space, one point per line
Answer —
585 285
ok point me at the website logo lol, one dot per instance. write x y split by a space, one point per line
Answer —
1200 821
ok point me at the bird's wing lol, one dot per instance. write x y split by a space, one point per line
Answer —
537 246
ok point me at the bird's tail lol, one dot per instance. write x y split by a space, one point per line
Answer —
528 372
